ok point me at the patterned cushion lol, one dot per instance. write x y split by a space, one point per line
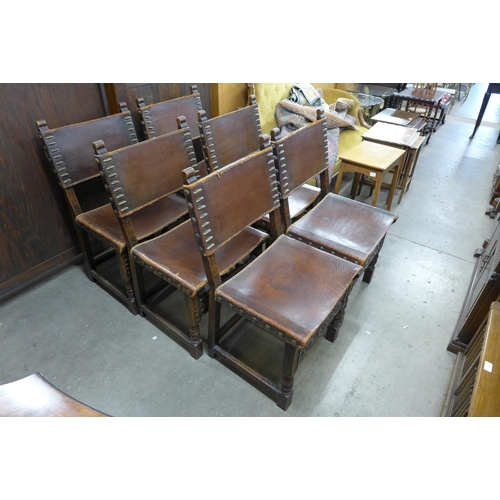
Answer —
332 119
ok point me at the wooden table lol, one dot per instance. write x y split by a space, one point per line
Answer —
400 117
427 97
407 139
375 161
33 396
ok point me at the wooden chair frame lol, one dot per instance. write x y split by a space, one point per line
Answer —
295 164
70 155
161 118
254 183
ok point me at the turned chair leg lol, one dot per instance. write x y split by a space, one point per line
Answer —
332 330
284 398
214 312
126 274
193 314
370 269
88 260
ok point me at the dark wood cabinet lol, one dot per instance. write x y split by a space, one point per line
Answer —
484 289
36 232
475 381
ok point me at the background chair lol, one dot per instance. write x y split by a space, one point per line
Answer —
70 154
232 136
161 118
292 292
173 257
340 226
426 111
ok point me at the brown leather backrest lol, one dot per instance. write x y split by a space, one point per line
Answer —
138 175
69 148
225 202
301 155
161 118
230 137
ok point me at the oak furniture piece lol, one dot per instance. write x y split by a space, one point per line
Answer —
493 88
161 118
142 181
232 136
340 226
291 293
475 381
484 288
173 256
399 117
34 396
405 138
430 99
152 93
69 151
374 161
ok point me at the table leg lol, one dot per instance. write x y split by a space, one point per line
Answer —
378 184
486 98
433 120
354 187
339 180
405 172
393 185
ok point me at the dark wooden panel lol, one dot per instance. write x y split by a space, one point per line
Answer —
35 229
151 93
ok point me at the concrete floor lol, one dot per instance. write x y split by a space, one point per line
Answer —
390 359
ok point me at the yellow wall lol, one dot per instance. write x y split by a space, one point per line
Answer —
227 97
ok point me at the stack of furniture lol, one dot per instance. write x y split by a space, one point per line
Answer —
405 138
185 221
428 100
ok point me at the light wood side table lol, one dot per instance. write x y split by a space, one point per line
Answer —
375 161
407 139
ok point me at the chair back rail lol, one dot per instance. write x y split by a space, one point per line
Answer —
301 155
229 137
225 202
139 175
69 148
161 118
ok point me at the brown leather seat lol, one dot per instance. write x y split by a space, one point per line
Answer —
292 292
338 225
34 396
161 117
173 256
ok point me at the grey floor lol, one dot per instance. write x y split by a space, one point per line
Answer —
390 359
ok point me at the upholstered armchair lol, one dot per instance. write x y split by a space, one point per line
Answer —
269 94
